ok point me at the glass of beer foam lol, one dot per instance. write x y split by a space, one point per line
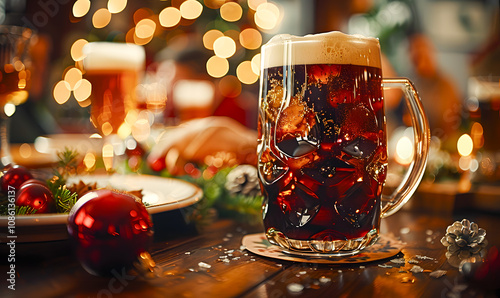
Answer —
15 74
322 144
114 70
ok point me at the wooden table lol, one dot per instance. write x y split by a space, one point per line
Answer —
50 269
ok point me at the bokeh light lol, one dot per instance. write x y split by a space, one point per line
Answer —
224 47
89 160
404 151
107 156
77 49
81 8
116 6
25 150
250 38
101 18
191 9
170 17
84 103
140 41
145 28
267 16
217 67
465 145
61 92
245 73
210 37
256 64
253 4
476 133
231 11
82 90
72 77
464 163
106 128
124 130
9 109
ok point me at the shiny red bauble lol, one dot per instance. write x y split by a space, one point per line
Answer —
110 230
14 176
33 193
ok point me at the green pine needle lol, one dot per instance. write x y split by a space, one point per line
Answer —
68 158
65 199
25 210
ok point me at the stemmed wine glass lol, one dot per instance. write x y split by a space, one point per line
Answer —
14 79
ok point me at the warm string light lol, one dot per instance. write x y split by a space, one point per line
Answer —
266 17
73 83
467 145
228 46
81 8
191 9
231 11
101 18
404 151
170 17
217 67
116 6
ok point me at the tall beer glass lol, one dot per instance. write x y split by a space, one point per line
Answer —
14 78
114 70
322 143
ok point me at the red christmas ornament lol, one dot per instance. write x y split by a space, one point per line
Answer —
14 177
110 229
34 194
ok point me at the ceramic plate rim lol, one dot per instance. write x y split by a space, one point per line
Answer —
56 219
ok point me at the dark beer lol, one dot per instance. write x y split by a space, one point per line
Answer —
324 174
322 142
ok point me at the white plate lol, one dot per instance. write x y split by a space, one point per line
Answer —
161 194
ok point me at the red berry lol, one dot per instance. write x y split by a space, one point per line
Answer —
110 230
35 195
14 177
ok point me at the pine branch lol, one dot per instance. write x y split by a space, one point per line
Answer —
67 164
68 158
25 210
65 199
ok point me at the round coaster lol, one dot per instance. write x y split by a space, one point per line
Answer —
385 247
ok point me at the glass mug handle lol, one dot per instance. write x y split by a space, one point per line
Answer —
421 132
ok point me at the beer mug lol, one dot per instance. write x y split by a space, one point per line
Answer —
114 70
322 144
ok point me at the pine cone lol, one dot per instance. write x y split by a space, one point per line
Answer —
464 240
82 188
243 180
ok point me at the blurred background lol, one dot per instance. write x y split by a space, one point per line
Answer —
202 59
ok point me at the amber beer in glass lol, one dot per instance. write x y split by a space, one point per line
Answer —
323 145
114 70
15 44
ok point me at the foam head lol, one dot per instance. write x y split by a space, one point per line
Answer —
113 56
324 48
